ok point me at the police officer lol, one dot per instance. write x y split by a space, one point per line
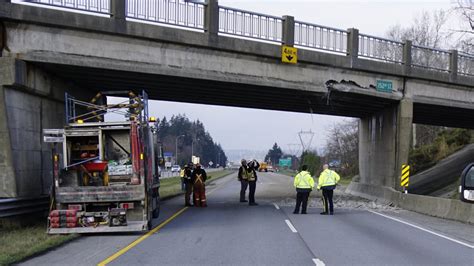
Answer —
198 178
304 184
243 179
188 184
327 182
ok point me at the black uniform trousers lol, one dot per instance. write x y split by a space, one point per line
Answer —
327 198
243 188
302 196
252 188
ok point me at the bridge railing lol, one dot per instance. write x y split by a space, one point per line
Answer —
465 64
320 37
174 12
431 58
208 17
380 49
95 6
250 24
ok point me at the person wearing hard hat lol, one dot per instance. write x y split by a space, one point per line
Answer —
327 182
198 178
304 184
243 180
188 184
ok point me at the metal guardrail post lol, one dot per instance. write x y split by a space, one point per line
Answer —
352 44
211 17
453 65
407 58
288 30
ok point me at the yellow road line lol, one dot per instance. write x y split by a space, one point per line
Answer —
140 239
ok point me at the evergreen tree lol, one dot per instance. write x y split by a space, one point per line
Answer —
274 154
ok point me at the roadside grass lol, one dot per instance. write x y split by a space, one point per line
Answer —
19 243
172 186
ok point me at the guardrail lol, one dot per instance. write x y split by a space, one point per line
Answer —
250 24
214 19
18 206
320 37
173 12
380 48
430 58
466 64
95 6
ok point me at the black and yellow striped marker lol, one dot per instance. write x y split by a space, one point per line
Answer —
405 177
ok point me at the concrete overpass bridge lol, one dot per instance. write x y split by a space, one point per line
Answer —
206 53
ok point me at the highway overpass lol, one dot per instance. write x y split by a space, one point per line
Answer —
218 57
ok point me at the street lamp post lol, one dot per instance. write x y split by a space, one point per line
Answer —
177 147
192 149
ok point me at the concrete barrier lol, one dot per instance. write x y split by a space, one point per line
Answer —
438 207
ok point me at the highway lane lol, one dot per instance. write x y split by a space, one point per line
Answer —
229 232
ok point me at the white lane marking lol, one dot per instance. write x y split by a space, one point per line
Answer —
292 228
423 229
276 206
319 262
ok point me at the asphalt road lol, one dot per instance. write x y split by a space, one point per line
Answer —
232 233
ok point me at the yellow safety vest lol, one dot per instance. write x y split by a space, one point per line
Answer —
250 176
303 180
328 178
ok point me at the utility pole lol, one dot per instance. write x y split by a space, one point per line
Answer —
192 149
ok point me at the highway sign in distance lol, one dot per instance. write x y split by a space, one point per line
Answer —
289 54
285 162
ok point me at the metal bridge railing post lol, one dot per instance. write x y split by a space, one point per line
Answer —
118 12
353 45
407 57
288 31
211 17
453 65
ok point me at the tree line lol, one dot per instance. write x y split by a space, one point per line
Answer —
189 136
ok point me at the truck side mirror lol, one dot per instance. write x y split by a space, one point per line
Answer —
466 189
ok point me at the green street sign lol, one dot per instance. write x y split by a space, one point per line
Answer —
384 85
284 162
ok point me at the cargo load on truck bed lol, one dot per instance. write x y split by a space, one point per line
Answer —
106 174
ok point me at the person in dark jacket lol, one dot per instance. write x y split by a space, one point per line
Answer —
251 175
198 178
187 173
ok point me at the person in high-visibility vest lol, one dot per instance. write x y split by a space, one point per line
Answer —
199 177
304 184
327 182
251 176
243 181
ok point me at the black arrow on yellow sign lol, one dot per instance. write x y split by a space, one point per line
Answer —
289 57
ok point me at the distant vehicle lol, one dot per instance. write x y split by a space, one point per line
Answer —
175 168
263 167
270 169
466 189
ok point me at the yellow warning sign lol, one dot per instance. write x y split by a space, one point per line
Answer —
405 177
289 54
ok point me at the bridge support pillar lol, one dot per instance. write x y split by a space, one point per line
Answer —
384 142
30 101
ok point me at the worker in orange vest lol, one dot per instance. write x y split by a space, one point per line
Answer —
199 177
